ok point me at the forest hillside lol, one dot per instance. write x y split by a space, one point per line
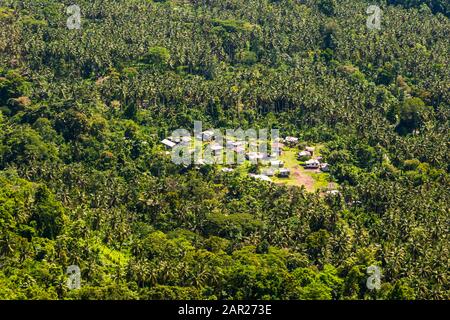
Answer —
87 93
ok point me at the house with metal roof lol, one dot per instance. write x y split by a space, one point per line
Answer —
169 144
284 173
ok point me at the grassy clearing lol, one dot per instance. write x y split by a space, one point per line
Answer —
111 257
311 180
321 180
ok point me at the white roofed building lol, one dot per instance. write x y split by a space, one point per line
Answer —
312 164
169 144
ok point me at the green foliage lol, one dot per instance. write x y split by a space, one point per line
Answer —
230 25
84 180
24 145
12 85
158 56
248 57
47 215
435 5
412 114
327 7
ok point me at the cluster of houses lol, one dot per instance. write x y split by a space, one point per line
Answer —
275 167
312 162
172 142
270 159
239 147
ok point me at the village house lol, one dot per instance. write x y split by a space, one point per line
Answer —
310 150
325 167
216 149
239 149
260 177
312 164
269 172
208 135
275 155
174 139
304 154
255 156
205 135
199 163
291 141
284 173
253 146
168 144
186 139
277 163
233 145
277 148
